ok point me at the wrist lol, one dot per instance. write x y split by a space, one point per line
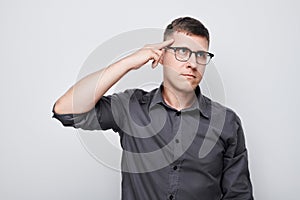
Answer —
128 63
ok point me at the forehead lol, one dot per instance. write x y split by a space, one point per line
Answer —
193 42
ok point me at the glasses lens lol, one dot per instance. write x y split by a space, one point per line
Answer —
182 54
202 57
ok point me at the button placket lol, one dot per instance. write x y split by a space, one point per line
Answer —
178 150
173 179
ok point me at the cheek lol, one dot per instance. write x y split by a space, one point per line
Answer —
167 60
170 61
201 70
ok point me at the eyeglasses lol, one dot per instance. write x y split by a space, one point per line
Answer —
183 54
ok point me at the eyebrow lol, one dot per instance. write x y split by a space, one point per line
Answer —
190 49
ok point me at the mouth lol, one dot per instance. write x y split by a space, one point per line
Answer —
189 75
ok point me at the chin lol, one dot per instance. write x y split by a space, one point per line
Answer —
180 83
190 85
185 86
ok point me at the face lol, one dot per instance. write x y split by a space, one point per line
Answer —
183 76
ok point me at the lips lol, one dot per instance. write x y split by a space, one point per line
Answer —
189 75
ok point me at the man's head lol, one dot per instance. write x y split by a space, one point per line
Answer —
185 73
187 25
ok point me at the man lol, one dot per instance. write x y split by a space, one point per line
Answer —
177 143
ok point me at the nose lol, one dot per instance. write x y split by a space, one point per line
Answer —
191 62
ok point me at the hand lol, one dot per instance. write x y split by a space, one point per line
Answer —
149 52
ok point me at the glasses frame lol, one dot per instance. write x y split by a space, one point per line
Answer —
211 55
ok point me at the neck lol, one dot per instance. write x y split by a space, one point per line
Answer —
178 99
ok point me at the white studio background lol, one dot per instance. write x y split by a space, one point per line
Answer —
45 43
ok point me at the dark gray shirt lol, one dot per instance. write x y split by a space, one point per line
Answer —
191 154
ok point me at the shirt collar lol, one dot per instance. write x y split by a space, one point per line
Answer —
201 105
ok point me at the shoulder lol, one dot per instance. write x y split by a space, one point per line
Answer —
226 121
219 110
135 94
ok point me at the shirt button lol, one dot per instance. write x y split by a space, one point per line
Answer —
175 167
178 113
176 140
171 197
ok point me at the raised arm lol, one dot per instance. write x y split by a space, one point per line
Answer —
83 96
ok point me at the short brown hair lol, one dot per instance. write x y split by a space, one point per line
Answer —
188 25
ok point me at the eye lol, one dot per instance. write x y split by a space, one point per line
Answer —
201 54
183 51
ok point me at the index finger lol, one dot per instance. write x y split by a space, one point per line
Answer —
165 43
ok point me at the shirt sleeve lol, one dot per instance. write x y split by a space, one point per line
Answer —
236 182
99 118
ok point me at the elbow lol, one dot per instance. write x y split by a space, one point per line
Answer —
59 107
